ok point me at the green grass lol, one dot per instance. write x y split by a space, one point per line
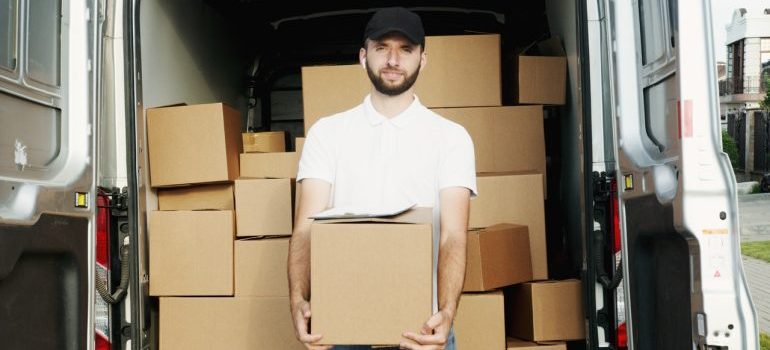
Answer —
759 250
764 341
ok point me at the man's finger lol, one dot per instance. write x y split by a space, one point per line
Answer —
432 323
309 338
429 339
305 308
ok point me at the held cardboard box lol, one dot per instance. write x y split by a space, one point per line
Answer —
193 144
497 256
260 267
200 197
505 139
462 71
518 199
540 78
264 207
266 141
518 344
362 268
480 321
544 311
226 323
278 165
191 253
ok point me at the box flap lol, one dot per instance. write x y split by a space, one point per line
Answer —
416 215
549 47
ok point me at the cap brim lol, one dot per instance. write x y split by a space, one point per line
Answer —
380 33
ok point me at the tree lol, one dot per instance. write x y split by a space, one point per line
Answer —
731 148
765 103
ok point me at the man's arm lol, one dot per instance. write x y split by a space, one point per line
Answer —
313 198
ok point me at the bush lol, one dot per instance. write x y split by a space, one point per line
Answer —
731 148
764 341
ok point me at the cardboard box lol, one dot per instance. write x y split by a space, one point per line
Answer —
279 165
480 321
193 144
260 267
517 199
544 311
267 141
201 197
541 76
505 139
191 253
299 144
226 323
462 71
362 268
497 256
264 207
518 344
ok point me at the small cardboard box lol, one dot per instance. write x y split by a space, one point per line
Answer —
480 321
260 267
278 165
518 344
545 311
299 144
518 199
497 256
462 71
191 253
505 139
200 197
193 144
264 207
362 268
263 142
226 323
542 77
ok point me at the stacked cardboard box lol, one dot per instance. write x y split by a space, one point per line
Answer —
197 267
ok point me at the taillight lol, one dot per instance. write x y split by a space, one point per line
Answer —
101 308
622 336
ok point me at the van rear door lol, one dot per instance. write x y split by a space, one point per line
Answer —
684 285
47 149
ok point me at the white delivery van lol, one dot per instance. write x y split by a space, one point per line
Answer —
642 200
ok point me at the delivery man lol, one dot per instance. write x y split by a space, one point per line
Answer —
389 151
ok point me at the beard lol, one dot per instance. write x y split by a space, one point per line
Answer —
389 89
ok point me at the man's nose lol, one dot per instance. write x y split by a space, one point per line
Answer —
393 58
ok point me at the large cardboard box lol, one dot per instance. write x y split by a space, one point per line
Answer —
193 144
278 165
200 197
518 344
299 144
371 278
191 253
544 311
260 267
462 71
264 207
505 139
497 256
540 74
480 321
517 199
238 323
267 141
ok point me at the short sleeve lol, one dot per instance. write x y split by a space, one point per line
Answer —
457 167
317 160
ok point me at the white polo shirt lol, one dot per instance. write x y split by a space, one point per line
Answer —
377 162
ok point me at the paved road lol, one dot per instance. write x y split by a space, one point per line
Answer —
758 276
754 216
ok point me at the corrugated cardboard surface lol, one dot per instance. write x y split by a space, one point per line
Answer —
370 282
542 80
279 165
518 344
480 321
240 323
267 141
516 199
193 144
497 256
264 207
191 253
299 144
462 71
201 197
505 139
544 311
260 267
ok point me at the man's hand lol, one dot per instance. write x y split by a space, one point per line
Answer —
301 313
433 335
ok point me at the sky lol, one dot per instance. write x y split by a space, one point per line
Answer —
721 14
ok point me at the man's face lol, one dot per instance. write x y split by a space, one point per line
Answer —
392 63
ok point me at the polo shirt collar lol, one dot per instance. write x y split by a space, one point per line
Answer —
401 120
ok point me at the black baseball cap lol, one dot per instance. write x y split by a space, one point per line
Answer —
395 19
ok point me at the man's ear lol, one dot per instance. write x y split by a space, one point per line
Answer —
423 60
362 57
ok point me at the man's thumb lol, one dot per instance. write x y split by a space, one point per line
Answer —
306 310
432 323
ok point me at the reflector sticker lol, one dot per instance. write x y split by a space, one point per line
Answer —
81 199
715 231
684 111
